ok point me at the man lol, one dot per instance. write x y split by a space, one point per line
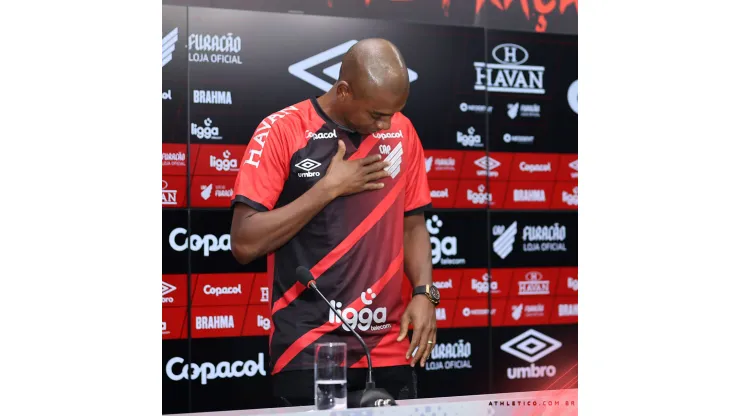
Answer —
338 184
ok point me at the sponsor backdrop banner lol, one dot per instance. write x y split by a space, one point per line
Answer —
497 116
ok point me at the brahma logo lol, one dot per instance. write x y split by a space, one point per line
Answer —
444 249
471 139
300 69
450 356
504 244
208 132
573 96
214 322
207 371
209 243
529 195
428 163
166 290
169 196
440 314
389 135
531 346
308 165
568 309
509 74
362 319
573 284
211 97
534 285
168 46
228 45
226 164
321 136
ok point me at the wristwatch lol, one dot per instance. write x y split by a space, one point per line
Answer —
431 292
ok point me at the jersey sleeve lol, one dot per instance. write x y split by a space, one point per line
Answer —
264 168
417 198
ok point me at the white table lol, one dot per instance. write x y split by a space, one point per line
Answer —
553 402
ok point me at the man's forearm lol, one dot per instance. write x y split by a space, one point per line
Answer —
265 232
417 251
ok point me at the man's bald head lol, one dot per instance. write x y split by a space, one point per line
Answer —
371 65
373 86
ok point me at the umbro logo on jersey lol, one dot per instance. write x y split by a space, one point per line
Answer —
300 69
308 165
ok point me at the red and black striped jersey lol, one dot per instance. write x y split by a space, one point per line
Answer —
353 247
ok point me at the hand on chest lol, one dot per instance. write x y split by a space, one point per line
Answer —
310 163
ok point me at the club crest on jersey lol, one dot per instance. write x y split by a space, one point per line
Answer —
393 157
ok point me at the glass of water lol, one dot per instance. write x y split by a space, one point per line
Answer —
330 376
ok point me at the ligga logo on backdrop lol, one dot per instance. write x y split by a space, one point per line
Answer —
443 248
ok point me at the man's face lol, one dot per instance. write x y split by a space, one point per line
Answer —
373 110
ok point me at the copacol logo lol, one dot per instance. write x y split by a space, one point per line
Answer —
208 371
209 243
449 356
443 248
362 319
531 346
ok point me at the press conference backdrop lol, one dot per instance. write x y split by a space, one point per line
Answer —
497 114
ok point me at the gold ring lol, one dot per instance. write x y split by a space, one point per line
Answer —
430 342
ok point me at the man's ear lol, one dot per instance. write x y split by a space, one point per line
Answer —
343 91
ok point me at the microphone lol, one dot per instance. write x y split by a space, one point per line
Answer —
371 396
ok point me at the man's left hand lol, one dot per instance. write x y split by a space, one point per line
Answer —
420 313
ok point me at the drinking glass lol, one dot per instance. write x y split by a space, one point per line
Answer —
330 376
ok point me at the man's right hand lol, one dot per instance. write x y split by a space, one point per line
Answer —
347 177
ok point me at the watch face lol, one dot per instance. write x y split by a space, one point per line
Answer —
434 292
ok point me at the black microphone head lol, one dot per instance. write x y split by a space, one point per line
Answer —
304 275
